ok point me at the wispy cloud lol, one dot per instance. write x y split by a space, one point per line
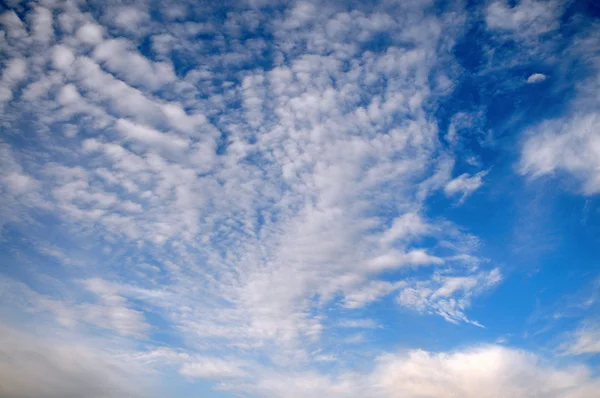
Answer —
584 340
465 185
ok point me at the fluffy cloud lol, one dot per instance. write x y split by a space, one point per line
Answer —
485 371
488 371
536 78
240 183
15 71
135 69
90 33
62 56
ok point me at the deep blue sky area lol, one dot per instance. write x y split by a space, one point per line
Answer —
289 199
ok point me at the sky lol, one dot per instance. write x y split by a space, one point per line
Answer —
289 199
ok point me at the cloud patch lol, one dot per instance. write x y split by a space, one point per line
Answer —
536 78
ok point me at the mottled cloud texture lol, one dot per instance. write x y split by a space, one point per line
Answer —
230 193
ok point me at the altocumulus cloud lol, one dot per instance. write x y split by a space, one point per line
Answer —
239 194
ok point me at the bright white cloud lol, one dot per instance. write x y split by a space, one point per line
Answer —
119 57
406 226
570 145
486 372
536 78
566 145
465 184
150 137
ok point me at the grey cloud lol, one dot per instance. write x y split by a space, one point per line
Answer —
32 367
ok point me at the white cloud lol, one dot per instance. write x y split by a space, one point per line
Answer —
149 136
68 94
247 208
284 218
14 72
18 188
109 310
112 311
302 13
448 296
569 145
196 366
129 18
130 206
528 18
15 28
398 259
478 372
536 78
585 340
62 56
212 368
42 21
90 33
119 57
406 226
372 291
19 183
465 184
125 100
34 366
482 372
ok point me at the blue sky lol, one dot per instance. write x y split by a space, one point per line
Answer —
300 199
